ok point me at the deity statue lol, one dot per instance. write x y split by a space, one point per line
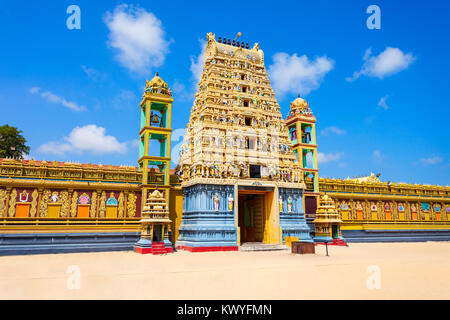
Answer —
216 202
54 197
111 200
358 206
289 201
230 202
23 196
280 202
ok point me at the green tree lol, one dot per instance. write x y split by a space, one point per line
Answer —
12 143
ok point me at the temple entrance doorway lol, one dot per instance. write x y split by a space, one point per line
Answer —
157 233
251 216
334 231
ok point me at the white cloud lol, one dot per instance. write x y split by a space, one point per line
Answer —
431 160
293 74
382 102
388 62
328 157
377 155
177 137
87 139
333 130
94 74
184 92
138 37
34 90
198 62
53 98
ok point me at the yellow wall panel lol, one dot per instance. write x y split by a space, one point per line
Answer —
53 210
176 212
111 211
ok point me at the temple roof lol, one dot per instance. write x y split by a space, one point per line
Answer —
157 85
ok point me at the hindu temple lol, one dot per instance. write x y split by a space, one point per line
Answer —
245 176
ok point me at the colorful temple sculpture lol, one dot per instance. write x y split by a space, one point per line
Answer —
245 175
302 134
155 226
239 176
328 223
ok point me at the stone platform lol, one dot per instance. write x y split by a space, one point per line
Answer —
258 246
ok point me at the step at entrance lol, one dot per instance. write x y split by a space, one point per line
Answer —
258 246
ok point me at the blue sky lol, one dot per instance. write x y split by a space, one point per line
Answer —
75 93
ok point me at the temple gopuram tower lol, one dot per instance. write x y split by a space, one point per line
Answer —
302 133
239 176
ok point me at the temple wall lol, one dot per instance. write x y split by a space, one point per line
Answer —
57 207
376 211
292 218
204 225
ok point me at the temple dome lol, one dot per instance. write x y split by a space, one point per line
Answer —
157 85
299 103
157 81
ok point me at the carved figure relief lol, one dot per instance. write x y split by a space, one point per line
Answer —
131 205
65 204
2 202
12 203
93 208
289 203
120 210
43 207
102 207
216 202
230 202
73 206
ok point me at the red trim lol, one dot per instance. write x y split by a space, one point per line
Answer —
206 249
157 248
336 242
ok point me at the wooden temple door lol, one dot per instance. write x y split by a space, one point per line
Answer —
249 211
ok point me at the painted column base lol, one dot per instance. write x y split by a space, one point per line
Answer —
207 249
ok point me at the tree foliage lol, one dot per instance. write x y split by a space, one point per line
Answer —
12 143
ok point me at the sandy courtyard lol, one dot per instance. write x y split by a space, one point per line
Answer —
360 271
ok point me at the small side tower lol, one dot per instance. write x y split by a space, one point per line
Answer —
154 139
301 124
327 223
155 226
